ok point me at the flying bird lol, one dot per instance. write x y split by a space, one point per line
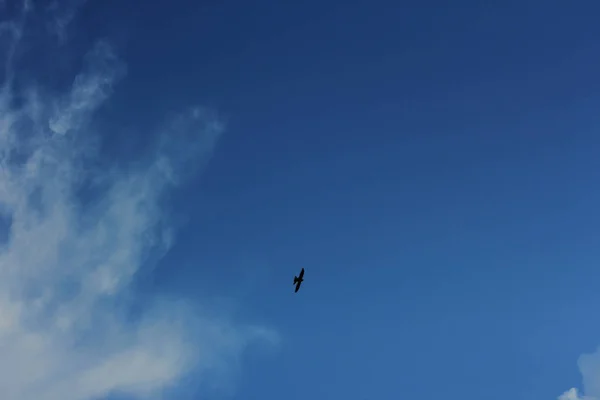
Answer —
298 280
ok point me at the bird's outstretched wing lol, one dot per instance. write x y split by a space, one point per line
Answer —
301 274
297 287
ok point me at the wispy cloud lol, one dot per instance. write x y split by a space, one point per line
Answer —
589 366
66 266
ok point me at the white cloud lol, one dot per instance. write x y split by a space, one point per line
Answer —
570 394
67 265
589 366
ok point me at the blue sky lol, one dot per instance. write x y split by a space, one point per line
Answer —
433 167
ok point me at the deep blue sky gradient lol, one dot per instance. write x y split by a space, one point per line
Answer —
433 165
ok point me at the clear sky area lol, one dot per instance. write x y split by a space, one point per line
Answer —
168 167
